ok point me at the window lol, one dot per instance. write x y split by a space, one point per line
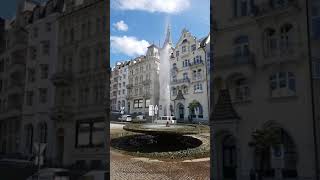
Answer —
185 89
33 53
90 134
270 42
42 95
138 103
177 53
43 129
241 89
35 32
199 74
48 27
147 103
282 84
197 60
316 69
185 76
174 91
241 49
242 7
44 71
194 75
285 37
184 49
193 47
198 87
123 91
185 63
31 75
29 98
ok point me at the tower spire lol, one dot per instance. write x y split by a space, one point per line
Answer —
168 39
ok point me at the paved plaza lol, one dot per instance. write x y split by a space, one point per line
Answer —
125 167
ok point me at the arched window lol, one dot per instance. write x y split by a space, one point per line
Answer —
29 137
42 129
285 37
174 91
241 48
241 89
271 42
242 7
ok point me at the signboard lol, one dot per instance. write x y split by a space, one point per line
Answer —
156 110
151 110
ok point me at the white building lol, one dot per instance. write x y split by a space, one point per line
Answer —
189 78
41 63
143 86
119 79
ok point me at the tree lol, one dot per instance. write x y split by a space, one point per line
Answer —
262 141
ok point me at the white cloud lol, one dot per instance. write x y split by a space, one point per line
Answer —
121 26
165 6
128 45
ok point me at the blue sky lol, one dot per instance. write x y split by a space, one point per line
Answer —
137 23
7 9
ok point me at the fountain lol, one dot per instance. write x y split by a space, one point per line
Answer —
164 137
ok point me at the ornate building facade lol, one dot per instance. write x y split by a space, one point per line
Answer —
189 78
262 85
80 84
143 85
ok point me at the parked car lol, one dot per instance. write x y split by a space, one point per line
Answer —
126 117
165 119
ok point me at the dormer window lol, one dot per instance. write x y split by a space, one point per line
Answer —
184 49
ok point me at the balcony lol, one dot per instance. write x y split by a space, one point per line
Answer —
146 82
293 52
180 81
61 113
62 78
196 64
268 9
230 61
129 86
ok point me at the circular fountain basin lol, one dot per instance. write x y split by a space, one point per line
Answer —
162 129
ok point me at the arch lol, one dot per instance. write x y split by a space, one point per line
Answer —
284 147
180 111
29 137
42 132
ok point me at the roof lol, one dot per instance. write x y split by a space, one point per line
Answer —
224 110
153 45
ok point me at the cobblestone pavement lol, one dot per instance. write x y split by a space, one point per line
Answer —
125 167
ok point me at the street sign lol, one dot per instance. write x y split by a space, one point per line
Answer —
151 110
156 109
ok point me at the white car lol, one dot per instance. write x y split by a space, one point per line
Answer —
126 118
165 119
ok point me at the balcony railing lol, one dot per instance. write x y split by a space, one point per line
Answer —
61 112
146 82
232 61
179 81
269 8
62 78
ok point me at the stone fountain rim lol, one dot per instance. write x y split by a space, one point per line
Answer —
189 129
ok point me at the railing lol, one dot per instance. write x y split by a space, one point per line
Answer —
62 78
147 82
179 81
231 60
266 8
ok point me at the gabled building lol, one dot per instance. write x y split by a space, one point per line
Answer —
189 78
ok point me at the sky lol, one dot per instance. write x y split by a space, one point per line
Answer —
136 24
7 9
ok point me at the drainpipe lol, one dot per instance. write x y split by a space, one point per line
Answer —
314 124
206 68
